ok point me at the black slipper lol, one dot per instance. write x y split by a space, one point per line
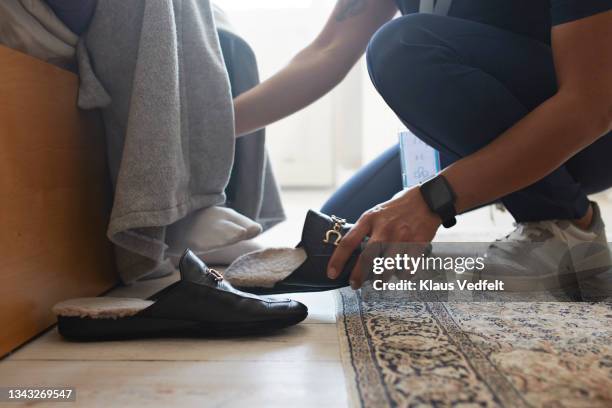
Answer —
300 269
201 303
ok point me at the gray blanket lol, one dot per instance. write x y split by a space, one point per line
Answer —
156 70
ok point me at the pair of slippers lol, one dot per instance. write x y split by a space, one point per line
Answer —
205 303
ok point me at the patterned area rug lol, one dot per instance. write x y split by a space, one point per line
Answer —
417 354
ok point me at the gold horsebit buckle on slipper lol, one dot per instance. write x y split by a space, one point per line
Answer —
215 274
335 231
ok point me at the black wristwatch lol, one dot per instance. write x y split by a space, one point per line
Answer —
440 199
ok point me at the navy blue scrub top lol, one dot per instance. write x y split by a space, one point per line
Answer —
533 18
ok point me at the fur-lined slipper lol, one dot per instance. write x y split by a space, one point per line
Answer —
300 269
201 303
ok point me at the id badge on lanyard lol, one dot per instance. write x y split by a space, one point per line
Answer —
420 162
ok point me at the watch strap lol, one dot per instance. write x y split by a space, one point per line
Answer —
447 215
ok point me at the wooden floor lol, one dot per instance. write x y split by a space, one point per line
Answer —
297 367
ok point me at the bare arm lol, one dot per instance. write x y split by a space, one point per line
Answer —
316 69
575 117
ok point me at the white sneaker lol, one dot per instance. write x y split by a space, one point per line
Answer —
549 254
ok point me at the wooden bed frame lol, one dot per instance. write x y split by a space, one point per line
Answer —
55 197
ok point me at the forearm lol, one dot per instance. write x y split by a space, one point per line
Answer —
310 74
318 68
527 152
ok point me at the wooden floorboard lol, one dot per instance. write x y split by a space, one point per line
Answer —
186 383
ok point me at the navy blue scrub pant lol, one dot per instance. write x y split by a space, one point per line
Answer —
457 85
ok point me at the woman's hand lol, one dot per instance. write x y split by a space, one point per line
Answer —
404 218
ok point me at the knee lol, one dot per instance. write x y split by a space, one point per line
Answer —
400 49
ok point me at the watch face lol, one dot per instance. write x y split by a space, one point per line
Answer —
439 195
